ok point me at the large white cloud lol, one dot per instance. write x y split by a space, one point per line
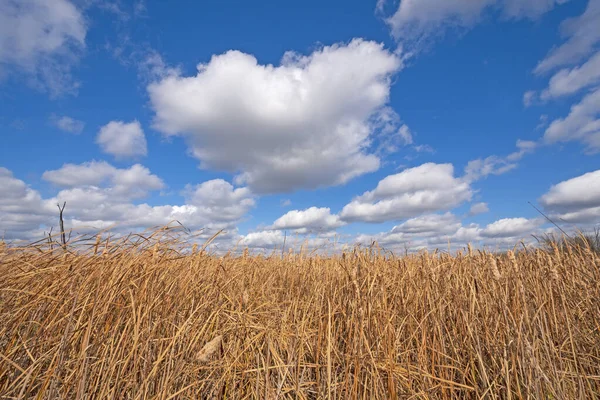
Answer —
414 191
42 38
575 200
582 36
311 219
418 20
582 124
305 123
122 139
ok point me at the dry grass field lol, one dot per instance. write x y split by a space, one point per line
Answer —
136 319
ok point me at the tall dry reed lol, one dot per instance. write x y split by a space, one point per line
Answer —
139 319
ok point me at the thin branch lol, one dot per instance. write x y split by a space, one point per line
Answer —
62 224
552 222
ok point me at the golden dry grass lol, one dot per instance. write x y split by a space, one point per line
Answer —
138 321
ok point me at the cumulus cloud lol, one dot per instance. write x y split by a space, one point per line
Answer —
511 227
42 39
274 239
570 81
22 209
67 124
122 140
416 21
478 208
433 224
135 181
582 124
575 200
219 201
312 219
414 191
306 123
582 35
446 231
99 195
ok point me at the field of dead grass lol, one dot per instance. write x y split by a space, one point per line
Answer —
139 320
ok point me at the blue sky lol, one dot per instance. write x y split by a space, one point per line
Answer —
411 123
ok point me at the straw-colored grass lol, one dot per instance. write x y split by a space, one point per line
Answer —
133 321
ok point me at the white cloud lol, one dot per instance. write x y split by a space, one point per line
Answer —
22 209
122 140
569 81
575 200
406 135
511 228
275 239
523 147
582 124
467 234
424 148
414 191
392 134
99 195
416 21
42 39
495 165
135 181
311 219
446 231
433 224
151 65
529 98
478 208
67 124
492 165
263 239
305 123
213 204
219 201
528 8
582 35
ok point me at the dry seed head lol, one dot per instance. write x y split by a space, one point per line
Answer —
513 260
556 251
553 269
356 271
494 267
245 297
209 349
470 249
